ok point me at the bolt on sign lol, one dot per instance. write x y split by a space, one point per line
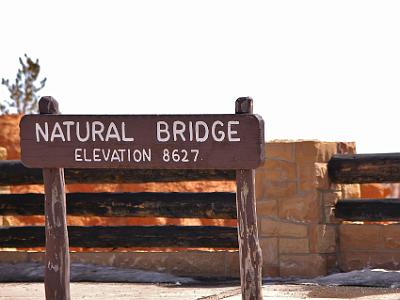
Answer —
142 141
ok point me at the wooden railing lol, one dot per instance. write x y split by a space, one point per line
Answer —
366 168
169 205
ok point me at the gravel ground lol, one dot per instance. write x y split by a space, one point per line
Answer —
119 291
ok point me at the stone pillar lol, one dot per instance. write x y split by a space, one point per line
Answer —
295 203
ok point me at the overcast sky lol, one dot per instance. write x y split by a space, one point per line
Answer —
327 70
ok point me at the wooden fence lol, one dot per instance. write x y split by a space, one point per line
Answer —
366 168
218 205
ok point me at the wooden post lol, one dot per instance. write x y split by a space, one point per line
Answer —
57 269
249 246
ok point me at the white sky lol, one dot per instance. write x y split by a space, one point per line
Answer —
327 70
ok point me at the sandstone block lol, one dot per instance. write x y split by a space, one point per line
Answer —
360 237
260 184
329 215
232 264
267 208
313 176
356 260
323 238
9 135
332 263
268 190
280 150
351 191
270 271
330 198
269 248
346 147
314 151
279 170
302 265
3 153
293 246
186 263
301 208
274 228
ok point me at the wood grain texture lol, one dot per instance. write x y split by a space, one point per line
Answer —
365 168
126 236
13 172
368 209
249 245
57 259
168 205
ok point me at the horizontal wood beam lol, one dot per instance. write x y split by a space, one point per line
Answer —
365 168
368 209
125 236
169 205
13 172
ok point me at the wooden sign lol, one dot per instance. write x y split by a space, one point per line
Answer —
142 142
52 142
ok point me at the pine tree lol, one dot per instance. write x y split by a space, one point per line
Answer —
24 91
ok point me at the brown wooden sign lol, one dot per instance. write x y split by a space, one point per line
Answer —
142 142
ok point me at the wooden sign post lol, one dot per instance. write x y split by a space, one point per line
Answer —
57 267
53 142
249 245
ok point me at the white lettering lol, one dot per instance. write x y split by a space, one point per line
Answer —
98 132
78 156
68 124
57 133
78 132
137 155
124 138
197 131
232 132
161 130
85 158
190 131
115 156
221 133
178 131
147 155
112 133
44 133
96 154
106 157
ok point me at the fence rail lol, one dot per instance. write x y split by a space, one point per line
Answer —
169 205
126 236
368 209
12 172
365 168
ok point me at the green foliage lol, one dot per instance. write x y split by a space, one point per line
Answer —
24 91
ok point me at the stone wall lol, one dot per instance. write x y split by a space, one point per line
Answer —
295 201
369 245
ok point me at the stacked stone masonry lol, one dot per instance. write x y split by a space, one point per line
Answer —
295 201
